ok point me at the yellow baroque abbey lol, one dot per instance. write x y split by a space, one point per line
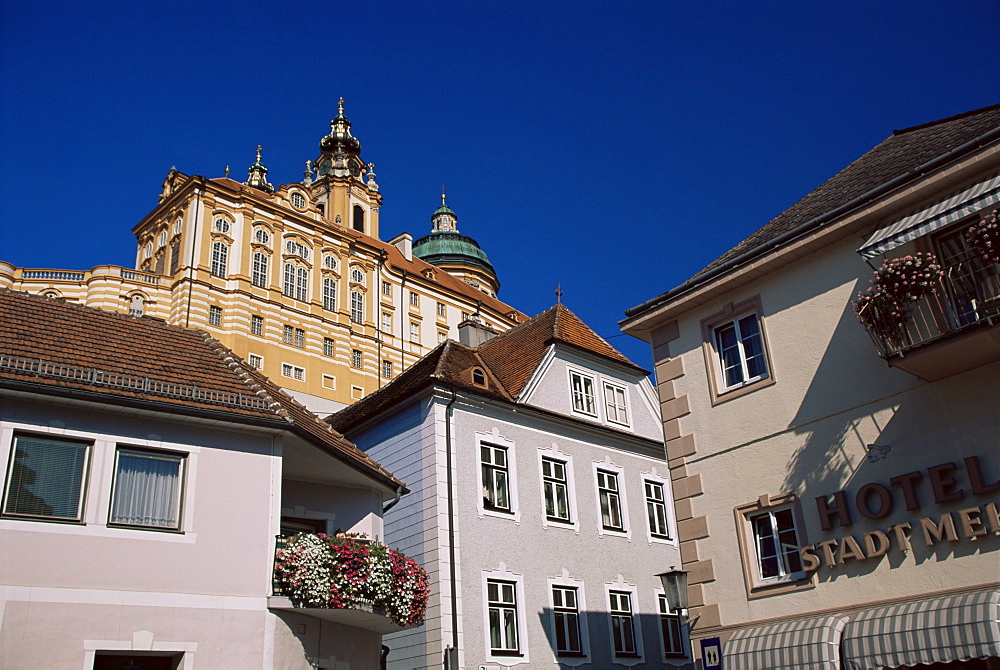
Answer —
294 278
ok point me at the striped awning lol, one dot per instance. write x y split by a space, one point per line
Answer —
942 213
803 643
941 630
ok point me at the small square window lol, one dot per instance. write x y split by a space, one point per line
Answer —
215 315
256 361
46 478
329 382
256 325
147 489
328 346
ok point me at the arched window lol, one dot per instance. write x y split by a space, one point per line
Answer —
220 257
329 294
259 274
478 377
298 201
296 282
357 276
359 218
136 304
357 307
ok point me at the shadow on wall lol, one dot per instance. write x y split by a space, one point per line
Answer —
596 643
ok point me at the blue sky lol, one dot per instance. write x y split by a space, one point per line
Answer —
614 149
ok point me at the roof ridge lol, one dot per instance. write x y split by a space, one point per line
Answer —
947 119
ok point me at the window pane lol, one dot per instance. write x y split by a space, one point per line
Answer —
46 477
147 489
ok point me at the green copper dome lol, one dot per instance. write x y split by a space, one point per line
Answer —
443 248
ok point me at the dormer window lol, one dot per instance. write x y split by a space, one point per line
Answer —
582 391
298 201
478 377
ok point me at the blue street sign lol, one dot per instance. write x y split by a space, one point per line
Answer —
711 653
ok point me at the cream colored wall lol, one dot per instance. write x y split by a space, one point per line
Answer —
807 433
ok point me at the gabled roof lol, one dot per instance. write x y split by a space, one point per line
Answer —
55 347
506 360
904 156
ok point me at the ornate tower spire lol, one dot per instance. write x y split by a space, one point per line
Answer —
258 175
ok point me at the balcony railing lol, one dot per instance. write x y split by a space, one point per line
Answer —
967 297
349 580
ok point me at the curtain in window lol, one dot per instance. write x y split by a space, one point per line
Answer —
147 488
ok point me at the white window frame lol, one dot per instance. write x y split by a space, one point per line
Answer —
585 380
387 322
612 409
414 332
607 467
358 276
553 453
414 299
357 359
564 581
386 288
296 282
521 656
494 439
298 200
622 587
293 372
255 361
329 294
256 324
668 517
442 309
676 623
288 334
329 346
220 258
214 315
300 338
387 369
357 307
712 327
258 275
767 518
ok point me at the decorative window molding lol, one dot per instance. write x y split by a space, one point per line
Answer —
222 225
736 351
330 262
258 275
136 304
148 489
261 236
298 200
358 276
626 636
770 531
582 393
671 629
557 488
504 616
570 638
612 508
296 284
498 477
47 478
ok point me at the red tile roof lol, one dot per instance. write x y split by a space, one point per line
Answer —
507 360
51 346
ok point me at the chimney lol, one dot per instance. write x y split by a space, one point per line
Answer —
404 242
473 332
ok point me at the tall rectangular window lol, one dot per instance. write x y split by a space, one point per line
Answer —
611 510
776 542
46 478
258 275
214 315
414 299
256 325
328 346
656 510
441 309
582 388
622 627
740 348
288 287
556 492
415 333
387 369
302 284
220 256
387 322
495 477
670 628
357 307
566 615
147 489
300 338
288 335
329 294
502 603
356 359
175 257
614 397
386 288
